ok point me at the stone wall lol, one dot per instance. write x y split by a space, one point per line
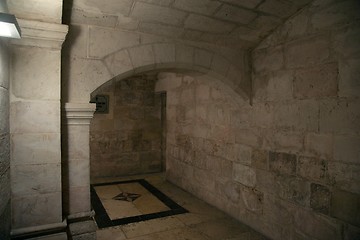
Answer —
127 140
5 209
289 164
92 55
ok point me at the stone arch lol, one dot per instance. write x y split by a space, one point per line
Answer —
175 57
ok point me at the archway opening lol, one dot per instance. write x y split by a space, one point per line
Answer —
127 133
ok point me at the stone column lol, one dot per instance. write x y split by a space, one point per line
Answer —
35 82
76 169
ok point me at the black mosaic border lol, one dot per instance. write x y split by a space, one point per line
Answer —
103 220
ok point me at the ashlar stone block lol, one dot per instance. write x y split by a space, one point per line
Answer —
35 148
4 110
235 14
259 159
206 7
346 149
219 64
335 14
35 117
161 29
312 168
104 41
184 54
142 55
346 206
36 10
316 226
344 176
293 189
119 62
39 204
154 13
252 198
202 58
320 198
340 116
282 163
76 41
85 75
270 59
164 53
345 41
5 190
297 115
307 53
4 73
244 175
319 145
318 82
244 3
81 16
35 179
29 84
78 200
207 24
111 6
4 153
349 75
278 8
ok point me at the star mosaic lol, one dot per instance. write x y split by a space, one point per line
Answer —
129 197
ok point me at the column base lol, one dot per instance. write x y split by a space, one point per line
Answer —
83 228
49 232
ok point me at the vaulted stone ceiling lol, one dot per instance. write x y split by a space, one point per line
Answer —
241 23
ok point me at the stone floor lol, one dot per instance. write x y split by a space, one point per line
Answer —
202 222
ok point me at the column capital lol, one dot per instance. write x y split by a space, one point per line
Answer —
78 113
41 34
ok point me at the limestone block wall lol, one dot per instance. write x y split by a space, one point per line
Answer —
5 209
93 54
127 140
35 136
289 164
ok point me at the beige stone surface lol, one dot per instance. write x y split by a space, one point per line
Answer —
39 204
156 225
84 74
77 200
27 117
76 41
4 110
115 40
244 174
319 145
161 29
35 179
164 53
235 14
305 53
79 16
207 24
35 148
142 55
78 172
119 62
318 82
44 84
349 74
148 12
346 149
339 116
111 6
36 10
